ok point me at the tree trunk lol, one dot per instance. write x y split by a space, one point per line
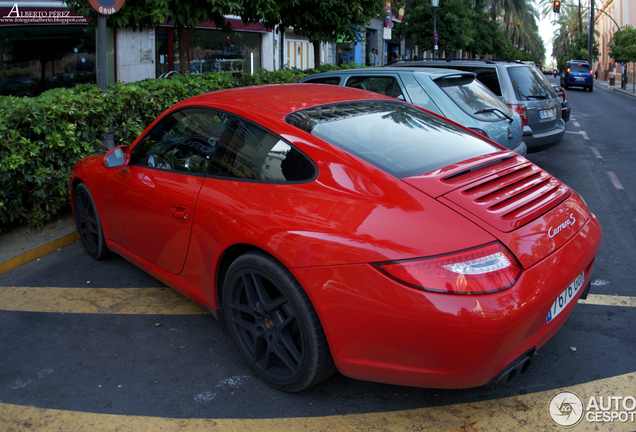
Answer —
316 45
184 67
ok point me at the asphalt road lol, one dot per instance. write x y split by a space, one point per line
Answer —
80 349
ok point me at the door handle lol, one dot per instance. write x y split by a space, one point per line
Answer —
180 213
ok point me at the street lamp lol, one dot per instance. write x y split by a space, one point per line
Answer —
435 4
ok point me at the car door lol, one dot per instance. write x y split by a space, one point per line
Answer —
152 201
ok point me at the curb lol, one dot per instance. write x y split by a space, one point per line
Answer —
38 252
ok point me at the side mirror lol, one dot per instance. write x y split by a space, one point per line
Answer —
117 157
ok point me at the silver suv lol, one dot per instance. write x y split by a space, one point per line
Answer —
522 87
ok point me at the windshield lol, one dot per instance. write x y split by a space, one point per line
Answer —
399 139
529 84
474 98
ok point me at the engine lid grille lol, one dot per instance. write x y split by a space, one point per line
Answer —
506 191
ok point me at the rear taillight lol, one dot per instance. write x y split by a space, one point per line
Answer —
568 70
591 72
482 270
523 113
479 131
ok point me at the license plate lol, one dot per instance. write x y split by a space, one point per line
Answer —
547 114
579 78
565 298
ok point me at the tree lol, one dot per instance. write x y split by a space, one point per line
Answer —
622 48
327 20
454 24
183 14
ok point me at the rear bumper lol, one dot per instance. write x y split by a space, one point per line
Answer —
380 330
538 141
571 81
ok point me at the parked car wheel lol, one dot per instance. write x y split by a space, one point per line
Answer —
274 324
88 224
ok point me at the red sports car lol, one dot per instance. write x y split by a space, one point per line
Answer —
336 229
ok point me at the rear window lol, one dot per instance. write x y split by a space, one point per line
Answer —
529 84
579 68
395 137
474 98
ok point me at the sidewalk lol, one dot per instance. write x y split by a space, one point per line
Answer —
22 245
617 88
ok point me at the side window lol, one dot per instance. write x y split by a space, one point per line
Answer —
185 141
325 80
489 78
247 151
386 85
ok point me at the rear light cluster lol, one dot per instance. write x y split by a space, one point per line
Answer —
523 113
482 270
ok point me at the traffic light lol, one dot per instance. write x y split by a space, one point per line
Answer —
556 6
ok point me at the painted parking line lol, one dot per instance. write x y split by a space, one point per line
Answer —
617 184
596 153
138 301
526 412
582 133
148 301
609 300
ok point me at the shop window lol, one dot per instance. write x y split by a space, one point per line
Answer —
37 58
215 51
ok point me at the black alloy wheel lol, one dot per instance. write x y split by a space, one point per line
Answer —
88 224
274 323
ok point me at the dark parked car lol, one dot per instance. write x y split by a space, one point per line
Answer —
578 73
565 104
523 88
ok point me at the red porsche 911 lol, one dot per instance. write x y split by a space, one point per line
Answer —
334 229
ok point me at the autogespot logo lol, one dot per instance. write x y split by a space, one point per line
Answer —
566 409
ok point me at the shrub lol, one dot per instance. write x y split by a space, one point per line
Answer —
42 137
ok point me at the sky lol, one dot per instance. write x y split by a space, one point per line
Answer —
546 30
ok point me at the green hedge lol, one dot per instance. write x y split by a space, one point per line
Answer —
42 137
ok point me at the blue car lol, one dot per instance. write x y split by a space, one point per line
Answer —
578 73
454 94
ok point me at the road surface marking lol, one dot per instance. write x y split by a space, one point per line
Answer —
609 300
596 153
518 413
582 133
138 301
617 184
576 124
148 301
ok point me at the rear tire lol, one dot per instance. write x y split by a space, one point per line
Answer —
274 324
88 223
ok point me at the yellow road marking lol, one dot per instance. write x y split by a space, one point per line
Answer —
38 252
609 300
138 301
149 301
519 413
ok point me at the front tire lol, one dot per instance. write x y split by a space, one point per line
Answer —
88 224
274 324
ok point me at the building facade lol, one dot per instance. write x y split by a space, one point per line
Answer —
43 45
610 16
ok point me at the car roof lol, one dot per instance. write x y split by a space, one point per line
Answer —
287 98
433 72
458 61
